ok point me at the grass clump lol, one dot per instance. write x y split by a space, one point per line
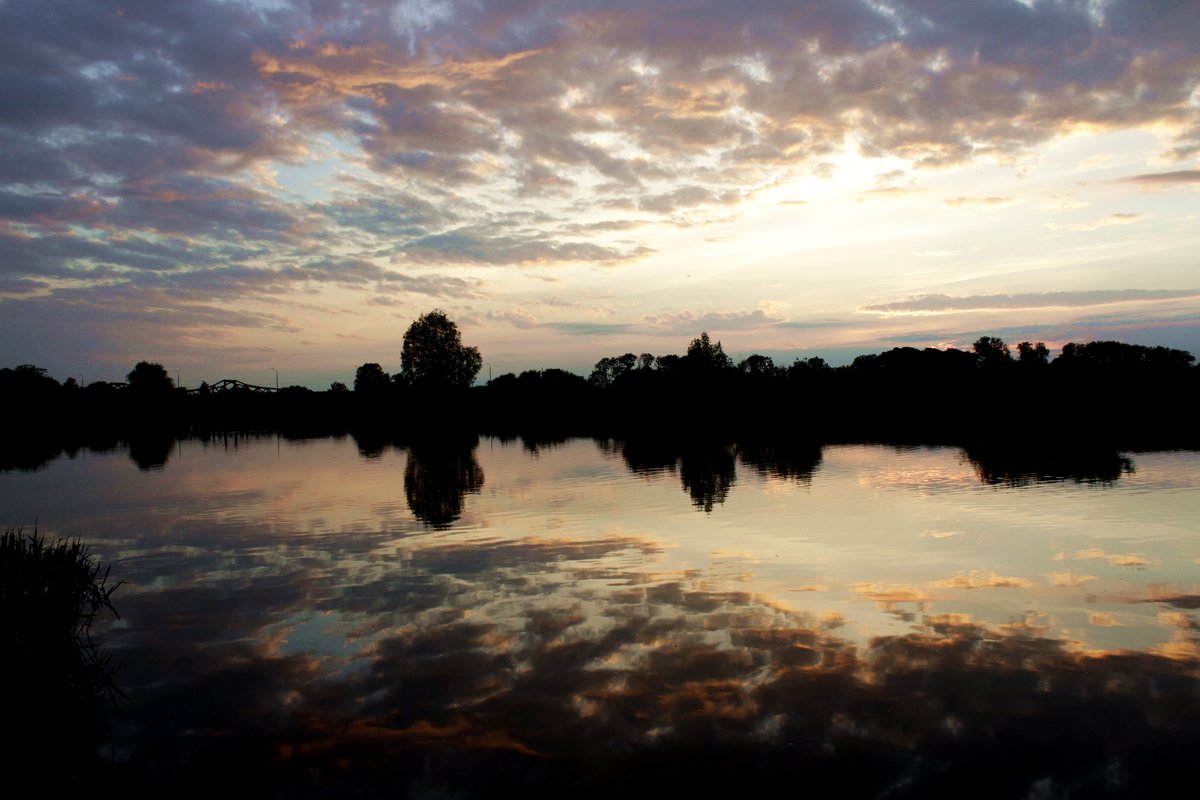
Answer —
54 674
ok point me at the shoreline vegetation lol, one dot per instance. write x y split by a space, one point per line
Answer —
55 676
1099 394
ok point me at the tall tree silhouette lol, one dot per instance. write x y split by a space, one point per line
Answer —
704 356
433 355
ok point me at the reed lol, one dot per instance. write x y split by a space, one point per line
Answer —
51 594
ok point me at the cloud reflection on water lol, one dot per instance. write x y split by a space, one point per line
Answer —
292 626
534 665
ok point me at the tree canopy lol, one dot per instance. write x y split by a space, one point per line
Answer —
705 356
149 377
433 355
371 379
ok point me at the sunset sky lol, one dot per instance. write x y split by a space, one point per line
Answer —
234 188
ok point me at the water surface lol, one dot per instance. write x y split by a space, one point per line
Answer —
342 615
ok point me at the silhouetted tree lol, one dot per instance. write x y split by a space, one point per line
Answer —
991 351
608 370
803 370
433 355
27 382
668 363
338 386
757 366
1029 353
371 379
1113 355
149 378
703 355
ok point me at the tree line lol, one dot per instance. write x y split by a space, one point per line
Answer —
1140 393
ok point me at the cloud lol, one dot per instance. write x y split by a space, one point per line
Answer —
1061 203
947 304
589 328
959 202
1183 176
483 247
692 322
686 197
1103 222
517 318
888 191
606 226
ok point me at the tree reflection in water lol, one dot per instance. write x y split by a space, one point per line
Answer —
707 472
706 467
782 458
438 476
1021 465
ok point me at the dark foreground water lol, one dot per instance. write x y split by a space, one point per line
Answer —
340 617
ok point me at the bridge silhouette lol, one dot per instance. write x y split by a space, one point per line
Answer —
231 385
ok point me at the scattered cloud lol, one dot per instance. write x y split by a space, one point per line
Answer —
962 201
1118 218
888 191
1062 203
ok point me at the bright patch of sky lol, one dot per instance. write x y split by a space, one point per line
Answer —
310 180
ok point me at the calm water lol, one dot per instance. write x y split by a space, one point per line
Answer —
364 618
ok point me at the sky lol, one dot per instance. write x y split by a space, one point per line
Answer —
242 188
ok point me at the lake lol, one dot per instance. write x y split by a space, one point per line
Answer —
345 616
